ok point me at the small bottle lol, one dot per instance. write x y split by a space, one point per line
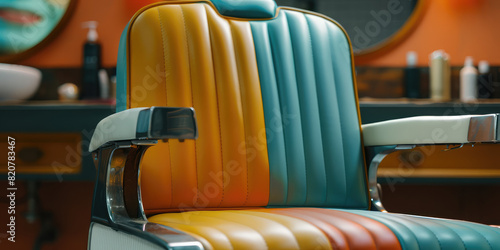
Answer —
440 87
485 87
91 63
103 84
412 76
468 81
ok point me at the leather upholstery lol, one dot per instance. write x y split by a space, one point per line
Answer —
216 73
452 130
416 232
265 136
315 152
287 228
346 230
278 127
246 8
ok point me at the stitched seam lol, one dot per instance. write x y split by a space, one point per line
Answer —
298 100
370 232
166 101
470 228
354 222
425 227
294 213
456 223
279 102
250 214
341 125
319 107
393 229
242 109
235 222
192 103
218 109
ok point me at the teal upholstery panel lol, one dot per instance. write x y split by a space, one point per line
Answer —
121 73
416 232
309 110
314 141
246 8
272 116
281 112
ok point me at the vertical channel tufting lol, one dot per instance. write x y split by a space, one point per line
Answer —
310 117
230 108
275 106
147 87
356 191
284 67
209 159
179 94
207 62
305 60
418 232
329 109
278 187
255 132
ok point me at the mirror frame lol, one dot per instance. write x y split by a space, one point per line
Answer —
57 29
399 36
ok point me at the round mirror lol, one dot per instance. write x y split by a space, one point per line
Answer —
26 25
371 25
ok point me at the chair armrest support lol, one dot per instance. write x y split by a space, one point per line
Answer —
118 145
383 138
379 153
425 130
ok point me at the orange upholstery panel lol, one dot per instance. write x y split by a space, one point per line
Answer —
171 63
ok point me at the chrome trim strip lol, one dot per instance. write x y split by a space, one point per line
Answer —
372 175
483 128
151 110
89 237
498 127
139 194
114 182
117 212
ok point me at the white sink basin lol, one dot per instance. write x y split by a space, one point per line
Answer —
18 82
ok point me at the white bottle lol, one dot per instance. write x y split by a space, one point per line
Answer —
468 81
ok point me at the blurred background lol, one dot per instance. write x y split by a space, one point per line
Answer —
57 80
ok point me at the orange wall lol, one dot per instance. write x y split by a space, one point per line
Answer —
66 48
472 30
459 31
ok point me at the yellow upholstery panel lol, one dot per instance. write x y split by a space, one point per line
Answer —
171 63
246 230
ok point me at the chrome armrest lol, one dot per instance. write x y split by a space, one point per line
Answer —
118 145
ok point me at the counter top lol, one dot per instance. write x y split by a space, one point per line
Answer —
82 117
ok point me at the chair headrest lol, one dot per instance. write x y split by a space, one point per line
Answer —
246 8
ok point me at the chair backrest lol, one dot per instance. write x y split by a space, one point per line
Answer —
275 99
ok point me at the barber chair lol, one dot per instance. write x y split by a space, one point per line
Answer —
275 157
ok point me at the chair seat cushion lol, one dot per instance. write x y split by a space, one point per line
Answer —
287 228
318 228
